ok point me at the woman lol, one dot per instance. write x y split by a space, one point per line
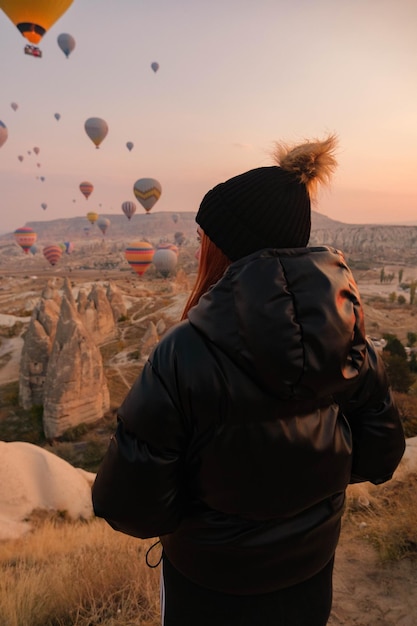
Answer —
251 416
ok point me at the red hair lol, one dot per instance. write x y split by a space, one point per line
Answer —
212 264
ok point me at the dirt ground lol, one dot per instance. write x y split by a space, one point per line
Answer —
367 593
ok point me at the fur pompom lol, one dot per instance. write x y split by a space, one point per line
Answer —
312 162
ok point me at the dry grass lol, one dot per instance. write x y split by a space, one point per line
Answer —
66 574
387 519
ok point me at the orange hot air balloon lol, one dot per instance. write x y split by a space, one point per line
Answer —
52 253
25 237
86 188
139 255
33 18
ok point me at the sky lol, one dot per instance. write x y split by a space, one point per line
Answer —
234 77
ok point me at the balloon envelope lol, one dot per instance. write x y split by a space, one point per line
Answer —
25 237
96 129
14 106
69 246
86 188
128 208
139 255
44 205
67 43
36 150
32 18
20 157
57 116
103 223
155 66
165 261
147 191
52 253
3 133
129 145
92 217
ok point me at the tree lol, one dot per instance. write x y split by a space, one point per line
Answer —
411 338
400 275
399 375
394 346
413 286
382 276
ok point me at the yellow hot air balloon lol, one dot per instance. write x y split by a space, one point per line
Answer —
34 17
92 217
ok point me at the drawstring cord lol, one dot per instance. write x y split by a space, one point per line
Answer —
147 555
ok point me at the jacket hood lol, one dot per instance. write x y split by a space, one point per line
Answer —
290 318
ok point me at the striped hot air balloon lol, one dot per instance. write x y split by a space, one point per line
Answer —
147 191
129 209
52 253
25 237
139 255
86 188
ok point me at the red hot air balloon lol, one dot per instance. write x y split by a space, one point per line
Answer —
52 253
25 237
86 188
139 255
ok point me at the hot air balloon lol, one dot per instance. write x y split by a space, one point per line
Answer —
128 208
52 253
44 205
155 66
175 217
57 116
32 18
3 133
25 237
20 157
87 230
42 178
147 191
92 217
103 223
36 150
129 145
69 246
14 106
96 129
165 261
67 43
33 249
139 255
86 188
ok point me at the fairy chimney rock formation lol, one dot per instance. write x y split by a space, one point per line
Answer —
36 350
97 315
67 292
116 301
75 387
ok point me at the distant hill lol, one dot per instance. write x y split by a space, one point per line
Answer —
377 241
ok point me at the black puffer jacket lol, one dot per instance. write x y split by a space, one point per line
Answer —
249 420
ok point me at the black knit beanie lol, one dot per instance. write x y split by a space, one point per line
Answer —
266 207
